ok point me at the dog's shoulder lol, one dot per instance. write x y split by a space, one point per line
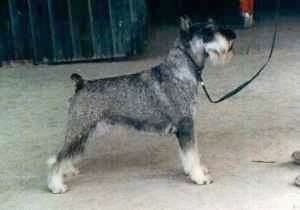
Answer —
156 74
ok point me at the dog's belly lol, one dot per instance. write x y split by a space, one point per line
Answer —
157 123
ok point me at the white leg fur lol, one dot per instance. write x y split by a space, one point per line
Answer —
55 177
191 160
70 169
192 167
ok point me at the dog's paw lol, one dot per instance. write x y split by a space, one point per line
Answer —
205 170
75 171
72 172
201 177
58 189
56 185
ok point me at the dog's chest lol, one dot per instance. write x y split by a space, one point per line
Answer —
185 75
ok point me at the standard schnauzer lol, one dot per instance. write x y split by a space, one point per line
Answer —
161 99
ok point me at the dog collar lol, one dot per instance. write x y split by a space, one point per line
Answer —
197 68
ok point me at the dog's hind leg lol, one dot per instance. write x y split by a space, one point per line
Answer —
189 153
76 137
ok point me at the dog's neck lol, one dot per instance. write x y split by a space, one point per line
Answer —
184 62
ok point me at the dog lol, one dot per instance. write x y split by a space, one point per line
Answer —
161 99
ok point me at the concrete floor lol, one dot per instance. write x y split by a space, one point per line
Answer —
130 170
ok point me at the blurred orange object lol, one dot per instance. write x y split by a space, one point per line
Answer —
247 6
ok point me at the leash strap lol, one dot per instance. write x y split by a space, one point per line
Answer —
243 85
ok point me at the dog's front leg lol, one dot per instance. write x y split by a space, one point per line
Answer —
189 152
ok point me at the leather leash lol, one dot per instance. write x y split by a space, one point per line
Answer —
243 85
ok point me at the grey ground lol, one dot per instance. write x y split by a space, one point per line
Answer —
130 170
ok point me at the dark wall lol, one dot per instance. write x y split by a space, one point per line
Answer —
71 30
168 11
264 5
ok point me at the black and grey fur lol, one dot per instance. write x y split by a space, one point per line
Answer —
161 99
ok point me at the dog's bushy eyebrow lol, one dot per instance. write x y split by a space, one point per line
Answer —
203 31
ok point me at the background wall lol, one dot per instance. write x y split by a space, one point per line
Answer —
168 11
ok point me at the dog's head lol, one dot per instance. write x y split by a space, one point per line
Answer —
200 39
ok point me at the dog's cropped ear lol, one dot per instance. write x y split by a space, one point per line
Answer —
185 23
185 30
228 33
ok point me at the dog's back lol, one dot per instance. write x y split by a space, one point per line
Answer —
135 100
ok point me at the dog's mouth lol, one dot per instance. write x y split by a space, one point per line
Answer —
217 58
221 58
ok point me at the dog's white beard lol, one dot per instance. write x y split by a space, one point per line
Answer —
217 60
218 50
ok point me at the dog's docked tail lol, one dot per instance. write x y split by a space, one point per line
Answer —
79 82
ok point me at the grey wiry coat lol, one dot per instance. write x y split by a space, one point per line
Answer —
161 99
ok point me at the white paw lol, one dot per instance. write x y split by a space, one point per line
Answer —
200 177
72 172
75 171
58 189
56 185
204 169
